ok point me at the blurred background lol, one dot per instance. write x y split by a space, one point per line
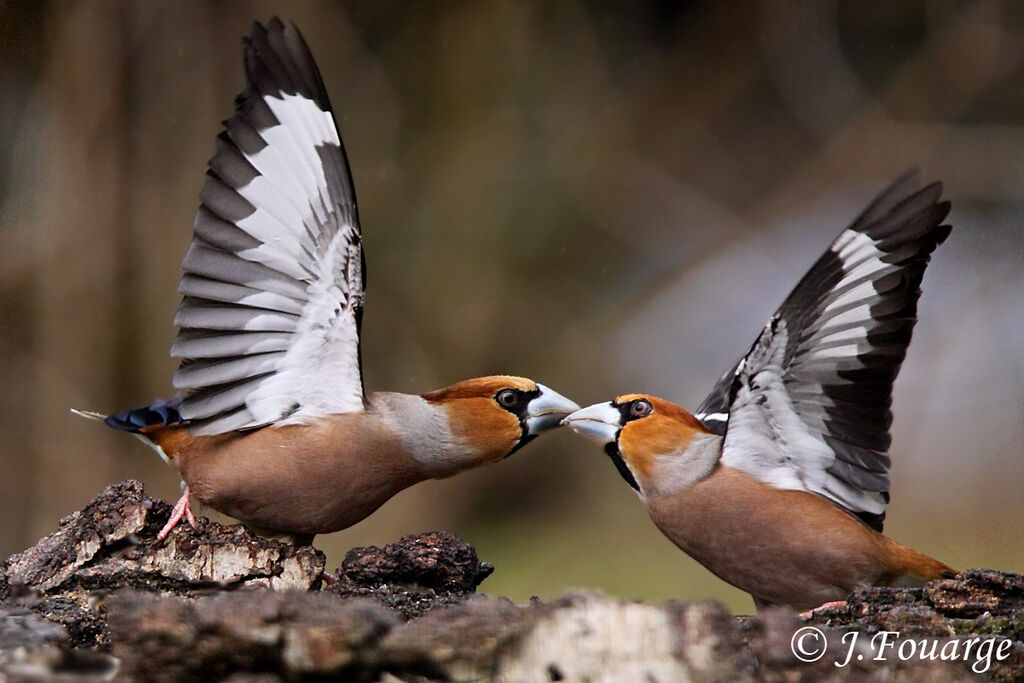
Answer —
606 197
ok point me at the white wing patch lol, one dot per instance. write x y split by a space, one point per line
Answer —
767 437
808 408
322 346
273 281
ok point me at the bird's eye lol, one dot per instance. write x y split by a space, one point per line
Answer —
640 408
507 398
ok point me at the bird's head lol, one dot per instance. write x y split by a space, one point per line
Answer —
492 417
646 437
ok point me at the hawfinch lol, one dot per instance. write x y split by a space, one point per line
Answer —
778 484
275 428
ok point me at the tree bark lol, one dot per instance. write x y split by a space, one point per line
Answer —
101 598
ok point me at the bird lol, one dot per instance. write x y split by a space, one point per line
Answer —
778 483
274 427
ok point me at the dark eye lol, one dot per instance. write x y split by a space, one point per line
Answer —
640 408
507 398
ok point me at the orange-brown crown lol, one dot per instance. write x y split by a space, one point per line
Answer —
480 387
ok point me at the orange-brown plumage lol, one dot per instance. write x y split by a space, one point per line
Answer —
781 546
298 479
475 418
668 409
668 429
779 483
273 425
331 472
491 432
480 387
903 561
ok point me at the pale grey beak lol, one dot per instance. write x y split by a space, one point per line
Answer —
600 422
547 410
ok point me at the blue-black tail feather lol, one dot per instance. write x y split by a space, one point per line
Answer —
158 413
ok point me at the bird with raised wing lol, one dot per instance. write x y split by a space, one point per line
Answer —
274 427
778 484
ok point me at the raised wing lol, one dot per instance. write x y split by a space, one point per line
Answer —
809 406
273 281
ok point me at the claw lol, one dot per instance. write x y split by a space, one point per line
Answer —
183 508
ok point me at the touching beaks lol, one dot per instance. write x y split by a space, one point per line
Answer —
547 410
600 422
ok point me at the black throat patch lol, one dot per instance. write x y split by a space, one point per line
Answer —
521 412
612 449
525 439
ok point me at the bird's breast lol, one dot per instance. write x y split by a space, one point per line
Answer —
788 547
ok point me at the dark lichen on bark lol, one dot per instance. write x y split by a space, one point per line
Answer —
99 596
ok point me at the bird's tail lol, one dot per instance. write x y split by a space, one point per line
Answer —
159 413
146 423
906 562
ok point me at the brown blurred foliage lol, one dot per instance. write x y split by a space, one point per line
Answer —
606 197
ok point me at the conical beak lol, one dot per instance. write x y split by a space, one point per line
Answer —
547 410
600 422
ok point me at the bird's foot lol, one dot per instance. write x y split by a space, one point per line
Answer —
183 508
823 607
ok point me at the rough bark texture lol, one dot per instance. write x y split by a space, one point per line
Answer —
99 599
412 576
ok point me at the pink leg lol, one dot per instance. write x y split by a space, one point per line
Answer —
835 604
181 509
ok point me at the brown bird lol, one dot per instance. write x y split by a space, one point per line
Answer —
779 483
275 428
